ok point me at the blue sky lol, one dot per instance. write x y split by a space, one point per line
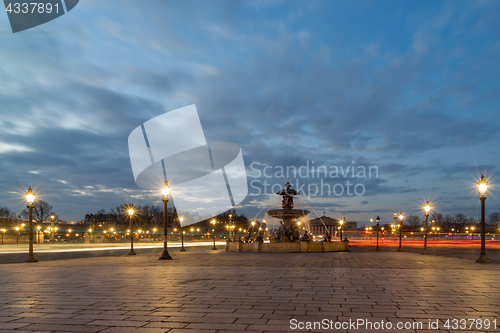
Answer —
410 87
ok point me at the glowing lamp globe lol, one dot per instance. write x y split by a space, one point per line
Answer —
30 196
165 190
482 185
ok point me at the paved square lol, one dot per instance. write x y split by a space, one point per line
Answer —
257 292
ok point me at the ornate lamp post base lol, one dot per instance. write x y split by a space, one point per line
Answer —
483 259
31 259
424 252
165 256
400 249
132 253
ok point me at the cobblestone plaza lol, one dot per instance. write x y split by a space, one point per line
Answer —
216 291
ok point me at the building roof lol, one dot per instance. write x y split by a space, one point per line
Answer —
326 220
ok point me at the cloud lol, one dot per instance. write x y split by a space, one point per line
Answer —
288 82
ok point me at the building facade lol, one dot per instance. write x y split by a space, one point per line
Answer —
324 224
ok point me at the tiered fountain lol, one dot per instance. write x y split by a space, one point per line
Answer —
287 239
289 231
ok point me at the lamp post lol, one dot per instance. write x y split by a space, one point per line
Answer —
395 223
131 215
472 234
427 209
182 234
483 188
17 240
38 234
378 220
165 190
213 232
30 198
253 225
401 217
52 234
341 229
3 232
231 225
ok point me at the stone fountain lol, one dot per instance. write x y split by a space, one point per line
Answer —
287 239
289 231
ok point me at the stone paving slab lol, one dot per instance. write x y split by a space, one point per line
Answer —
255 292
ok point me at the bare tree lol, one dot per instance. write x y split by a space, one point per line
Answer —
494 218
42 211
7 218
413 222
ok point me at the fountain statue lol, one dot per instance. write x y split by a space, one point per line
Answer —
289 231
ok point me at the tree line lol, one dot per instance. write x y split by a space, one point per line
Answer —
448 222
42 211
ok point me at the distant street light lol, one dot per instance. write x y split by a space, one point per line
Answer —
3 232
213 232
378 220
165 190
395 222
52 227
483 188
182 234
30 198
38 234
231 225
131 213
427 209
342 229
401 217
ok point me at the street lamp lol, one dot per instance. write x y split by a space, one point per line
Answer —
483 188
427 209
38 234
17 229
401 217
213 232
378 220
395 222
253 224
52 235
182 235
165 190
472 234
3 232
341 228
30 198
131 213
231 225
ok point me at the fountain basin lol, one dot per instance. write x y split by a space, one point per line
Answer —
287 247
